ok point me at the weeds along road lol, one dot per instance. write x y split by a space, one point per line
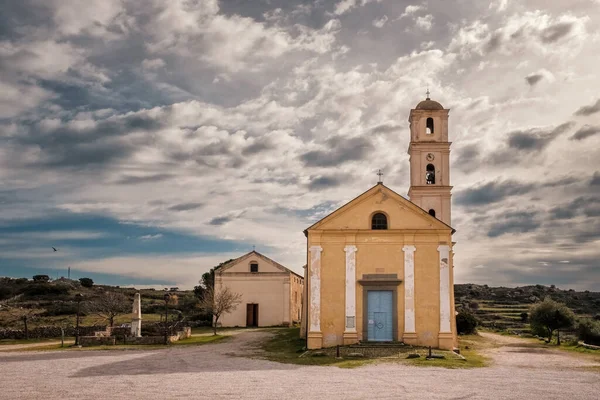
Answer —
216 371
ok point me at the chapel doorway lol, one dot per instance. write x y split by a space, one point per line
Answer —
252 315
380 315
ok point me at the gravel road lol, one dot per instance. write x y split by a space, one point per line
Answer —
211 372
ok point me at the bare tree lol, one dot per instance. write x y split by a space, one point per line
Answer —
219 302
24 315
108 305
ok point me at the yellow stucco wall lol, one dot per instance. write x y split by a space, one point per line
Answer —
380 252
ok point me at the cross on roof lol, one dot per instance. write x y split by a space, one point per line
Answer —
380 174
427 92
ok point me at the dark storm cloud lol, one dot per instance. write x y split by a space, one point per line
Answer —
585 132
19 17
514 222
492 192
533 79
325 182
186 206
595 179
220 221
258 147
134 180
340 151
526 142
468 158
384 129
555 32
588 206
589 110
562 213
535 139
495 42
103 143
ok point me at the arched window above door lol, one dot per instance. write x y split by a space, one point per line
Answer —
379 221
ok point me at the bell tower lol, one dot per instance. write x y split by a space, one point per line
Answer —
429 152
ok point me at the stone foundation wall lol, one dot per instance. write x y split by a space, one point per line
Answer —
49 332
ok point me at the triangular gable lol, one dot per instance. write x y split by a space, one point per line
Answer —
407 204
255 253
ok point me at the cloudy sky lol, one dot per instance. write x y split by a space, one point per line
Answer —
150 140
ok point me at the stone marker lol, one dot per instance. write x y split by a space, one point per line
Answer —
136 320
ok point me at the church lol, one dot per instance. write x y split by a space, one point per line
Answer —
379 268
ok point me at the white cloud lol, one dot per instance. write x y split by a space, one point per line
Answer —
380 22
151 237
154 63
344 6
411 10
425 23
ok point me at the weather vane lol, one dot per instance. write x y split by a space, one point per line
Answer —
380 174
427 92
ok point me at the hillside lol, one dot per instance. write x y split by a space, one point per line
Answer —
55 303
504 308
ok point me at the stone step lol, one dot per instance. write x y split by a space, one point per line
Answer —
378 344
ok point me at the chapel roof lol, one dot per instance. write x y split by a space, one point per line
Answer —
254 252
424 213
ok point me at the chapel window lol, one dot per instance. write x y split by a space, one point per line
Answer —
254 267
432 212
430 174
429 128
379 221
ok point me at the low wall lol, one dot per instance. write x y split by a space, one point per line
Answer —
43 332
87 341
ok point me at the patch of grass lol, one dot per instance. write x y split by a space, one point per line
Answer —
29 341
199 340
592 355
208 329
286 346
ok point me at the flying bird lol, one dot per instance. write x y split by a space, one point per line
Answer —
54 249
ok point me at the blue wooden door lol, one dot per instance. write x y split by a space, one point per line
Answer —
380 308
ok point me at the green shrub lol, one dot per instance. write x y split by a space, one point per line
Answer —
466 323
41 278
588 330
46 289
86 282
524 317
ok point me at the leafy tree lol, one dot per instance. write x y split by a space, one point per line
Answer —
219 302
207 281
109 305
466 323
41 278
86 282
551 316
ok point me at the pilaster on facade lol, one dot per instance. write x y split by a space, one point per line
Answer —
314 336
445 306
315 288
350 333
410 335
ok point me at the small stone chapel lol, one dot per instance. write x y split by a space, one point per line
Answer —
380 267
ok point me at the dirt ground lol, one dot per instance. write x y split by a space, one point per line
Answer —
518 371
